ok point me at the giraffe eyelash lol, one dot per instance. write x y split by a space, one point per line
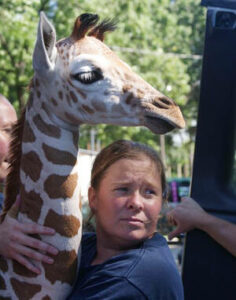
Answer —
88 77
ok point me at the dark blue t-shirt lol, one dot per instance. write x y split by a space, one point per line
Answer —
147 272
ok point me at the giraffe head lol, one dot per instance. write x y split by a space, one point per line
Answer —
81 80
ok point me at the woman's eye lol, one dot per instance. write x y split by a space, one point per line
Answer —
122 189
150 192
88 77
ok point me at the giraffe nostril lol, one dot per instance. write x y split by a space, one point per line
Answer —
166 100
158 104
162 102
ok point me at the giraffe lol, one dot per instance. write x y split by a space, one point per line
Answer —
76 80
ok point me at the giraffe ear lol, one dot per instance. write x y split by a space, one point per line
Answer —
44 51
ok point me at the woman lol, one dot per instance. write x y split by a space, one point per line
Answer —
126 258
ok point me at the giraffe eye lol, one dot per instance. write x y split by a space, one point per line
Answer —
88 77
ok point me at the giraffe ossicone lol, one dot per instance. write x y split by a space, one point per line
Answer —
77 80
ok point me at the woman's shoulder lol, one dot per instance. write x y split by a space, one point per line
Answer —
154 253
157 240
156 264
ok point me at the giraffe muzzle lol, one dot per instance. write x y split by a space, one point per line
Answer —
157 125
162 117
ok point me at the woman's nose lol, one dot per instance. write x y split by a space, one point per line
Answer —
135 201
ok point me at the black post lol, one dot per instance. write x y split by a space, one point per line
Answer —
209 271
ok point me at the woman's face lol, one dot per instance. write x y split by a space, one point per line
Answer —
127 202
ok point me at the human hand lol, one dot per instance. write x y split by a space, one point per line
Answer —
185 216
17 244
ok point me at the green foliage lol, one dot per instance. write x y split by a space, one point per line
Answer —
18 21
150 28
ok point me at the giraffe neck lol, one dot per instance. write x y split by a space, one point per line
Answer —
50 196
60 123
48 166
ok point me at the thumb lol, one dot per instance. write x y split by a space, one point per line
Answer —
174 233
13 212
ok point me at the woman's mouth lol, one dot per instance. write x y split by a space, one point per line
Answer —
132 220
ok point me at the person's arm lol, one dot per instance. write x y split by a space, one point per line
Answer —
189 215
17 244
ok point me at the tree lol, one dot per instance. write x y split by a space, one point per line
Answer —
16 45
150 36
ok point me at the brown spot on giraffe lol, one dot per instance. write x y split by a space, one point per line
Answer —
64 272
128 76
45 128
71 118
73 97
82 94
24 290
59 157
32 204
67 226
127 88
60 94
54 102
99 106
28 134
38 94
22 271
27 160
140 94
57 186
2 284
88 109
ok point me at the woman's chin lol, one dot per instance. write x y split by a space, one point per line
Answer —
135 236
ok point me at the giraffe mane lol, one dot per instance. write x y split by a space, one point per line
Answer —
13 177
100 30
86 23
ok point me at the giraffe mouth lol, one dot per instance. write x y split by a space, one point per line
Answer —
157 125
